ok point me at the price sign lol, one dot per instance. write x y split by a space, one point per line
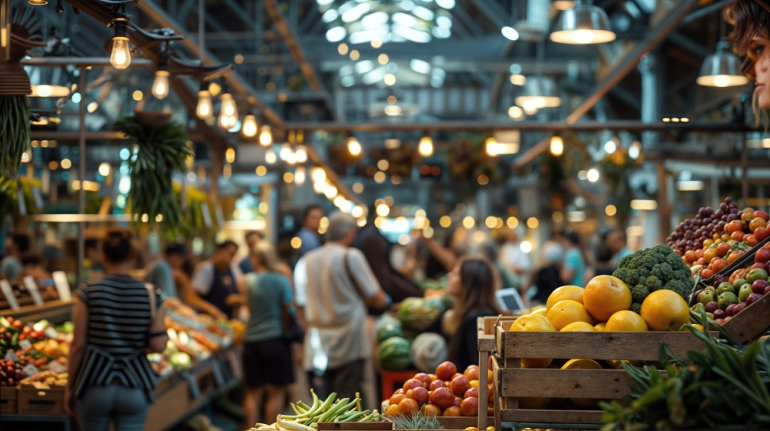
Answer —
62 285
56 367
10 356
30 370
25 344
5 287
31 286
51 333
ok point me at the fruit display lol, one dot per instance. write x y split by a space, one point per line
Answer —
727 297
11 373
418 314
444 393
397 352
307 417
45 380
650 270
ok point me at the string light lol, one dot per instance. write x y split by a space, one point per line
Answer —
557 145
354 147
228 114
265 136
120 58
250 126
425 147
205 108
160 85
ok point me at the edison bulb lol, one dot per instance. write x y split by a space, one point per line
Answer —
205 107
557 145
425 147
265 136
120 57
318 174
354 147
160 85
250 126
228 114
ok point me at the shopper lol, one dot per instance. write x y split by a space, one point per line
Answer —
336 285
574 266
442 254
605 263
118 319
548 276
267 354
308 234
93 255
161 275
376 248
751 38
512 257
473 282
252 239
616 242
32 265
217 280
508 279
16 245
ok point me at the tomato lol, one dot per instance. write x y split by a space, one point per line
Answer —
16 324
733 226
698 254
735 255
707 273
22 337
710 254
737 236
723 249
750 240
718 264
701 261
763 215
748 210
689 256
757 223
725 236
737 275
747 216
40 362
761 233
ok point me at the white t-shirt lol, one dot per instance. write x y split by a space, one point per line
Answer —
204 276
334 304
513 259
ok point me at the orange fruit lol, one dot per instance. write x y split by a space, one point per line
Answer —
568 311
600 326
626 320
393 410
541 311
578 327
618 364
534 323
604 295
665 310
583 364
574 293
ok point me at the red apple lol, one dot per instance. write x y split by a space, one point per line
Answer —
453 411
446 370
762 256
728 318
720 321
418 394
411 384
424 378
459 385
753 298
472 392
761 233
458 401
456 375
729 309
443 398
739 307
719 314
436 384
470 407
759 286
767 290
762 215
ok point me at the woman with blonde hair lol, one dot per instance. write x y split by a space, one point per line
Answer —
267 354
473 281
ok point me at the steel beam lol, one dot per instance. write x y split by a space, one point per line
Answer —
688 44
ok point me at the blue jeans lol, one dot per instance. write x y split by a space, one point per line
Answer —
125 407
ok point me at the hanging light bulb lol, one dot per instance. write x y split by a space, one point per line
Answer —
557 145
38 2
160 85
721 69
582 25
318 174
265 136
538 92
205 109
299 176
250 127
120 57
491 146
228 112
301 154
425 147
354 147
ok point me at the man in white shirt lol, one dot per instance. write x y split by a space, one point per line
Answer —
216 280
336 284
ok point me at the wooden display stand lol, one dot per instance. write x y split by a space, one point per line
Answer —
751 323
48 402
8 397
369 426
513 382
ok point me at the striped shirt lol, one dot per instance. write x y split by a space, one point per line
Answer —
119 320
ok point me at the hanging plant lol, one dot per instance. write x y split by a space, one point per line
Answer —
161 148
14 132
8 206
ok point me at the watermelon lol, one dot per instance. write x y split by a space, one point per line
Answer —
419 314
389 330
384 320
394 355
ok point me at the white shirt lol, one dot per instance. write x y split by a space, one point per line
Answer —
513 259
334 303
204 276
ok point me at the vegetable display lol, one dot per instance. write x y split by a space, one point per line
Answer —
394 354
653 269
307 417
418 314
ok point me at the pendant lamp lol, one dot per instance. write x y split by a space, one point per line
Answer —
539 92
582 25
721 69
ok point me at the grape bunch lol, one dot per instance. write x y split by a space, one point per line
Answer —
707 224
11 373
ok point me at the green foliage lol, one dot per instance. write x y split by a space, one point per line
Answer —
723 387
162 149
14 133
416 422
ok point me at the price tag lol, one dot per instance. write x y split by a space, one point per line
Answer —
10 356
30 370
195 391
25 344
50 332
5 287
57 367
62 285
31 286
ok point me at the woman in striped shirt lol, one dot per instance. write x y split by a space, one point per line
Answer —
118 319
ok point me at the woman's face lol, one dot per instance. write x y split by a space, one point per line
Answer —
759 53
453 286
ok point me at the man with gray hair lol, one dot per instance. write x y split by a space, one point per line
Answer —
336 285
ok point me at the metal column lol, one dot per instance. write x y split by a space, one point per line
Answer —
82 174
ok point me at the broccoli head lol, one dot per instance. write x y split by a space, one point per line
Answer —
663 249
675 261
677 286
653 283
625 261
644 271
632 279
683 275
663 271
636 307
620 273
659 257
639 292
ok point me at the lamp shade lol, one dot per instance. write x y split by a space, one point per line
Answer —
582 25
721 69
539 92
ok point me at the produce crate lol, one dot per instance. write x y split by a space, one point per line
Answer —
745 260
368 426
48 402
486 344
513 382
8 396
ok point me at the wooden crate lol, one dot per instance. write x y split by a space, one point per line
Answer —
751 323
49 402
8 398
513 382
368 426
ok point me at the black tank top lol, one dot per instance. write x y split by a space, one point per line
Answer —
222 285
